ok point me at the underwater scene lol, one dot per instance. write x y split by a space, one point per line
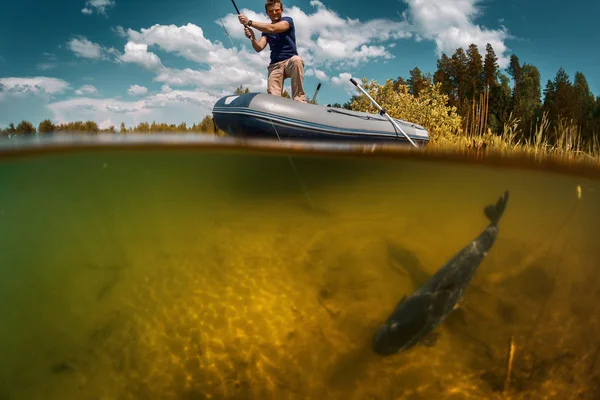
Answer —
233 274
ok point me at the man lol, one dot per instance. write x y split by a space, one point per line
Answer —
280 34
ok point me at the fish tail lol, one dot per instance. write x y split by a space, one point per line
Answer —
495 211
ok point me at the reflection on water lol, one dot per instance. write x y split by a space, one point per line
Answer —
180 274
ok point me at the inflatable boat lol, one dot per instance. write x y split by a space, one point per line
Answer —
259 115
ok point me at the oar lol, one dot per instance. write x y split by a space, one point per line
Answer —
382 111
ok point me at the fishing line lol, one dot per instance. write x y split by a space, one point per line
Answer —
300 181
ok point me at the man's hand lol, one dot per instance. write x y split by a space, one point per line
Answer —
243 19
249 33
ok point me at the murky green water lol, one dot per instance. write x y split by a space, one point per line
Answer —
207 274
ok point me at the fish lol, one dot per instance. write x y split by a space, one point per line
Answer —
416 316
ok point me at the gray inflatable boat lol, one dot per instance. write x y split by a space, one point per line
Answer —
261 115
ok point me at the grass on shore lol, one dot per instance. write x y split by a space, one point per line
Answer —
564 141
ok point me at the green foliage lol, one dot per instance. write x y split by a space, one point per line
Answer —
241 90
46 126
429 109
490 67
25 128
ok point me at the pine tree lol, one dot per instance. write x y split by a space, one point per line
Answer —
417 82
443 76
459 77
490 67
584 105
564 96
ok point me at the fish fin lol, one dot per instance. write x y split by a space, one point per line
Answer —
494 212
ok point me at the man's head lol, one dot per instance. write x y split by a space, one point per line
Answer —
274 8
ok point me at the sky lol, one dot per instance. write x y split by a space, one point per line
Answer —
113 61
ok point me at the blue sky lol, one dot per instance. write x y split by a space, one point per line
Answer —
116 61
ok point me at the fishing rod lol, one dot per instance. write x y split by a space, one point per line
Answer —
236 9
382 111
315 95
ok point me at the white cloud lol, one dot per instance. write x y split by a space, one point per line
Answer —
84 48
329 43
325 39
138 53
99 6
166 89
27 98
342 79
39 85
136 90
174 107
86 89
225 78
319 74
450 24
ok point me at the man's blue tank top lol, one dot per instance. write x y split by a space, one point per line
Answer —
283 45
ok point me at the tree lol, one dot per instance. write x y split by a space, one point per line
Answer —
458 74
123 129
564 95
91 126
46 126
398 82
474 72
240 90
527 96
417 82
443 76
500 103
514 70
490 67
25 128
549 105
584 105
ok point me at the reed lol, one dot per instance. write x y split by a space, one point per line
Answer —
564 141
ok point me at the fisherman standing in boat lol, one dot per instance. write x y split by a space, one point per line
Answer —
280 34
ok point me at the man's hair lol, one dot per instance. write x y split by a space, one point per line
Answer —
270 3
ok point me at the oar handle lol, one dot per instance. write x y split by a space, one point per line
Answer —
383 112
367 94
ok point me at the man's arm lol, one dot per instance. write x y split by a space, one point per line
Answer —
278 27
259 44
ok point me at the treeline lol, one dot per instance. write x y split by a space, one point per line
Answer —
207 125
25 128
486 96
